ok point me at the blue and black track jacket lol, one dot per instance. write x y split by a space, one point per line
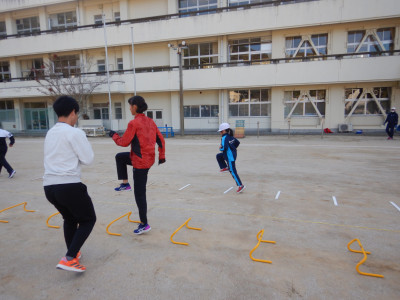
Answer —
228 147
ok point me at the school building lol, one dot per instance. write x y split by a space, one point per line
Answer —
307 64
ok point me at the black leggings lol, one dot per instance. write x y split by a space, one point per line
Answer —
122 159
74 204
139 185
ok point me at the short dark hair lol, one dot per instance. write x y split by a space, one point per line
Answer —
64 105
139 102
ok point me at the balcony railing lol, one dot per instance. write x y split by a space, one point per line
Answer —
224 65
160 18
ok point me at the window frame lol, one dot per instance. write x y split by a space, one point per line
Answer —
365 100
22 22
189 113
211 4
248 103
305 103
237 52
5 72
189 60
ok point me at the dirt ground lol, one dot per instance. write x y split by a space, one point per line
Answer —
291 187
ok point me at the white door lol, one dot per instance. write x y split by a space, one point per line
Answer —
157 117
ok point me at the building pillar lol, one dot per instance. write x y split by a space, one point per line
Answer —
173 7
175 113
223 49
43 20
11 26
15 68
124 9
337 43
278 121
80 13
278 45
127 57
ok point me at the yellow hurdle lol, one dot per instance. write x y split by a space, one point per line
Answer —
24 203
47 222
127 214
260 240
180 227
363 260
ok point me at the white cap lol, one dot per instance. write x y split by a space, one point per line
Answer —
393 108
223 126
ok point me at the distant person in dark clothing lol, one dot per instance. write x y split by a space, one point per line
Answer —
391 120
3 150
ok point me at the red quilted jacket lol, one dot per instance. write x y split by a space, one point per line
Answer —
142 134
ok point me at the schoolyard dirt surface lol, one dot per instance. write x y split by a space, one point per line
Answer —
292 184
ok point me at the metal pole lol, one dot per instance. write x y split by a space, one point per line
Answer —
108 74
133 63
181 93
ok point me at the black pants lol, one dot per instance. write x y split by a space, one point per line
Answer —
4 163
74 204
390 130
139 185
122 159
232 168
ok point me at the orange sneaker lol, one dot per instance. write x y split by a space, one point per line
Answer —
79 255
72 265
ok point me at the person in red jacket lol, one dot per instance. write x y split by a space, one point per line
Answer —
142 134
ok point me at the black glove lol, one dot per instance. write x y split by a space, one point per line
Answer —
111 133
161 161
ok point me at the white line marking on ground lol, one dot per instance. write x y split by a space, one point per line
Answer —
228 189
277 195
37 178
107 181
150 184
184 187
334 200
394 204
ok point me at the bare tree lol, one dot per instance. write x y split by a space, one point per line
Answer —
62 78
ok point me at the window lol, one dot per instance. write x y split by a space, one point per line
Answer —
100 111
243 2
367 100
63 20
5 74
200 55
298 46
201 111
28 25
196 5
117 16
386 36
66 65
98 19
250 49
7 113
249 103
120 64
101 65
118 110
3 31
301 101
32 68
370 40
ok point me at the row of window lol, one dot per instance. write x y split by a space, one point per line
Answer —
56 21
255 103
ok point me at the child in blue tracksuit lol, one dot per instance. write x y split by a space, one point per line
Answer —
226 159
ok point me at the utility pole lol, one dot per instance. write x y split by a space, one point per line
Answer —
178 49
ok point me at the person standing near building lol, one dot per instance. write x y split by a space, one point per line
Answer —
226 159
66 148
4 134
142 134
391 120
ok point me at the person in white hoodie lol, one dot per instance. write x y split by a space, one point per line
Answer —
66 148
